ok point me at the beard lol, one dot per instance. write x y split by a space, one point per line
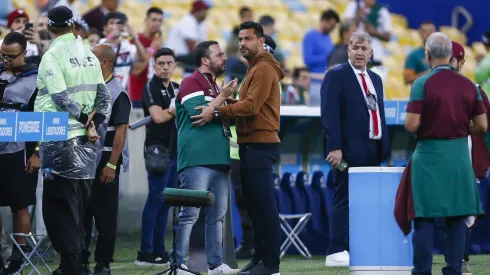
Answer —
218 69
250 52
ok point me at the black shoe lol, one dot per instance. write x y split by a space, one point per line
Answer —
248 266
260 269
13 268
58 272
102 269
243 252
147 259
161 258
86 270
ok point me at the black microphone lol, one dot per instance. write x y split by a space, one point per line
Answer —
185 197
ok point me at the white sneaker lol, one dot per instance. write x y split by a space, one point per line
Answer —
222 270
338 259
182 272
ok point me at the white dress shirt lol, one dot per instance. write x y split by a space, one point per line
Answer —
372 90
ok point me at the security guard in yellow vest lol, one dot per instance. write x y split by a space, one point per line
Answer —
69 80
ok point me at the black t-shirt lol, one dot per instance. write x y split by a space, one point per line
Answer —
165 133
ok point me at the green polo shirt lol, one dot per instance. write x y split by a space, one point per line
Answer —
416 61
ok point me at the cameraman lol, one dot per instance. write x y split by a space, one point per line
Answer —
19 160
161 137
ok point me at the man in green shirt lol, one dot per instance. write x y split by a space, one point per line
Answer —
416 64
69 80
203 158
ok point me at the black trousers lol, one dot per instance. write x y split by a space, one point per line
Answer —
64 202
236 180
103 208
258 193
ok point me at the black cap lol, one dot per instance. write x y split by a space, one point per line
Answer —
269 44
60 17
486 38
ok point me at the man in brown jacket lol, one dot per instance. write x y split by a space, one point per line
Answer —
257 113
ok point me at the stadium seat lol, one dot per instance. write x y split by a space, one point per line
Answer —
399 20
479 49
454 34
315 241
290 229
321 194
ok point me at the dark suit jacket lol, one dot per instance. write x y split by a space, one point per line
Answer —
345 117
95 19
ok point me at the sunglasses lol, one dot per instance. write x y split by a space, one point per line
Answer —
10 56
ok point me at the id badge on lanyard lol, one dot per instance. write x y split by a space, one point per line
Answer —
371 101
225 121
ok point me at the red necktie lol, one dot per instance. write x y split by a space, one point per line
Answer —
373 112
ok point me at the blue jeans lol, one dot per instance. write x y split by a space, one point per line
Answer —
218 183
155 213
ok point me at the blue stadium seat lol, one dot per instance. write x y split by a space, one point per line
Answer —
304 202
319 192
283 201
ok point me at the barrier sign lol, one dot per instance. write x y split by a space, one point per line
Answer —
33 126
395 111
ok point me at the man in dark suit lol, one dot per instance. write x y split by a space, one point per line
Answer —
95 18
353 117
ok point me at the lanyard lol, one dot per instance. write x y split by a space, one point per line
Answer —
213 87
108 79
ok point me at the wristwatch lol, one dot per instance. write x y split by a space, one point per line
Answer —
216 112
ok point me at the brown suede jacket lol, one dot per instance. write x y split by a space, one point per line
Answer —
258 110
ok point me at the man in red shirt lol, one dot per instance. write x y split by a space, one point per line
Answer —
152 41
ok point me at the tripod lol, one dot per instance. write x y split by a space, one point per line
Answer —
174 266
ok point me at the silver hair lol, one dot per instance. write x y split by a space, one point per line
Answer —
439 45
359 37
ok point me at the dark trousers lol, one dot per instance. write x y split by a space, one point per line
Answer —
155 214
339 220
64 202
483 189
258 193
102 208
423 241
339 216
237 187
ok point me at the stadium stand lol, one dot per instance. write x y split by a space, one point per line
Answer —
293 18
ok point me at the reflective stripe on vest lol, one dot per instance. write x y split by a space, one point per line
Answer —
18 91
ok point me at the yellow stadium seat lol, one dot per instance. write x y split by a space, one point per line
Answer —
454 34
479 49
399 20
396 89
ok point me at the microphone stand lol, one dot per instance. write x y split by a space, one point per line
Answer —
174 266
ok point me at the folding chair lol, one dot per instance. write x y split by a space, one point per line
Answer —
34 248
292 233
